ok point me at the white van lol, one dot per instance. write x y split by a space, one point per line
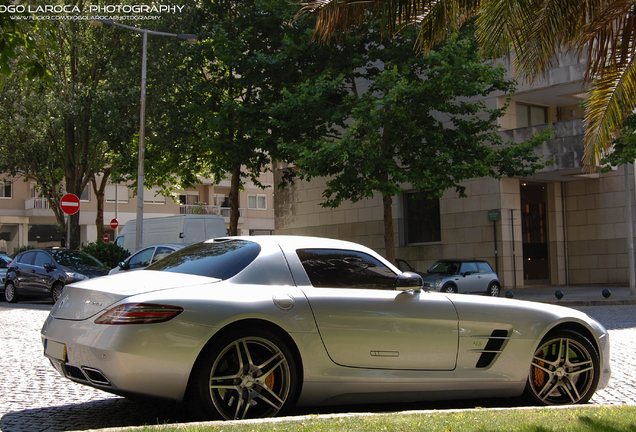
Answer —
172 229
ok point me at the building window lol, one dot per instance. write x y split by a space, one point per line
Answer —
531 115
122 193
6 189
153 196
221 200
189 197
422 218
86 193
257 202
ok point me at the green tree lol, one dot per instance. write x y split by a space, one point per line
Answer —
533 31
401 122
48 133
216 121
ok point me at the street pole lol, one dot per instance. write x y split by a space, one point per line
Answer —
142 146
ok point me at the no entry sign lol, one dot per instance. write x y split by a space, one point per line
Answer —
114 223
70 204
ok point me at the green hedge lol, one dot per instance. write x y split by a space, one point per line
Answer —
110 254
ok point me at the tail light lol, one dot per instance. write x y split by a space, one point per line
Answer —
139 313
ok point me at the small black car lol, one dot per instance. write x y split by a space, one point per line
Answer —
45 272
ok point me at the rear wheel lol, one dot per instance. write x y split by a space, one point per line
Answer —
494 289
564 370
10 293
56 291
246 374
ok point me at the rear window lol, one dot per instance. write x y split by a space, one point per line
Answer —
220 260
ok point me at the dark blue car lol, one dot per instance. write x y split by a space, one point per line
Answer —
45 272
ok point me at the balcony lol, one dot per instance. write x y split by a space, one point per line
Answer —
37 207
565 148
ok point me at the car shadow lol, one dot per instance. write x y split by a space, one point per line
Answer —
107 413
119 412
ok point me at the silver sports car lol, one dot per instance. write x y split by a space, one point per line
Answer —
244 327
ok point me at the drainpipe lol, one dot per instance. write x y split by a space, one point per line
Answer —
630 232
565 235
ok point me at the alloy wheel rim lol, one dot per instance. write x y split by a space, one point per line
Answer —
250 378
562 372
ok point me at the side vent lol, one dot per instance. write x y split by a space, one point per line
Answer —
493 347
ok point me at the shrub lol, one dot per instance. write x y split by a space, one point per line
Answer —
110 254
20 249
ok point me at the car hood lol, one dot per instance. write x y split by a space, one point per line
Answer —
84 299
432 277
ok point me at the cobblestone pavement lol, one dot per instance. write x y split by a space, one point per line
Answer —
33 397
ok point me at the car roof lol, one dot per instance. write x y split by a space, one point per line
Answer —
298 242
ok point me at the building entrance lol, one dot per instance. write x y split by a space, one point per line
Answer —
534 228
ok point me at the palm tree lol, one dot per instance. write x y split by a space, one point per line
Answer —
532 32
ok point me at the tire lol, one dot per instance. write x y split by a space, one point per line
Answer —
494 289
245 374
56 291
565 370
449 288
10 293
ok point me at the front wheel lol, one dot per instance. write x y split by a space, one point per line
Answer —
449 288
246 374
565 369
494 289
10 293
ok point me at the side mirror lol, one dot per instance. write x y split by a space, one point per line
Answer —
122 265
409 281
49 267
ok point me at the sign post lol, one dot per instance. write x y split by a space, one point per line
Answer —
495 215
70 204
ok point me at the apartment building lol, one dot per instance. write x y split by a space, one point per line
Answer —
561 226
26 219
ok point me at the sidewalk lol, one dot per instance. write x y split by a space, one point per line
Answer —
579 295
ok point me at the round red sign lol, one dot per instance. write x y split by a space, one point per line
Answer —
106 238
70 204
114 223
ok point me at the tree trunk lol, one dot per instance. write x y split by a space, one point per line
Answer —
99 197
235 184
389 241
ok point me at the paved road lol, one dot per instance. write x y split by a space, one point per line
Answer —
33 397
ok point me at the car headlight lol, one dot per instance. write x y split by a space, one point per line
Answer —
76 276
438 282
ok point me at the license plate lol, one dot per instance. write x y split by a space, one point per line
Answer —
55 350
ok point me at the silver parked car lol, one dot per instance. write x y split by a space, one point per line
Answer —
245 327
462 276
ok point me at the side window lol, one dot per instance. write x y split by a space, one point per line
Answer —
484 267
161 252
41 259
26 258
142 259
334 268
469 267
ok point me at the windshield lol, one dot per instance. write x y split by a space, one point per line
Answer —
220 259
444 267
75 259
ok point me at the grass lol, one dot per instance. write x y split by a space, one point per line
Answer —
561 419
